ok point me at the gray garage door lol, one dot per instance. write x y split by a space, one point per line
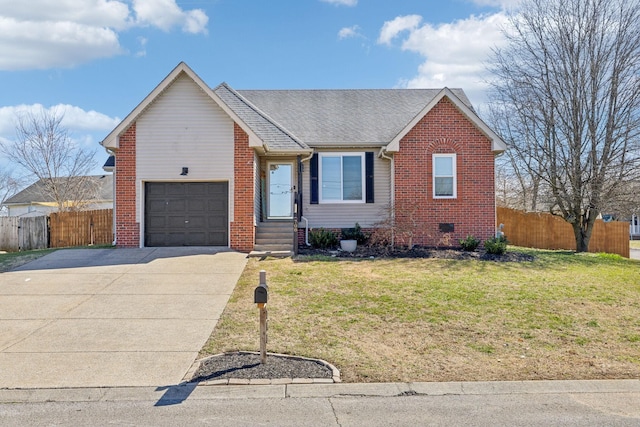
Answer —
186 214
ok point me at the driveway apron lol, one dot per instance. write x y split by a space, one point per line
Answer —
111 317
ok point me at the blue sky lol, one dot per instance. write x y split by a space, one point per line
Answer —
95 60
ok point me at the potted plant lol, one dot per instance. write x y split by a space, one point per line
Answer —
350 237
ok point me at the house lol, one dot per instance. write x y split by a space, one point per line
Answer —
634 227
91 192
196 165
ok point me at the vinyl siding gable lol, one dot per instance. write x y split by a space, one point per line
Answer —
184 127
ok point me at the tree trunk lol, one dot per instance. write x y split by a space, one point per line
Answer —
582 234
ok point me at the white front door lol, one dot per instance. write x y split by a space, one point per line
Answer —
280 199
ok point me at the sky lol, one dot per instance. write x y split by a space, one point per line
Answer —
94 60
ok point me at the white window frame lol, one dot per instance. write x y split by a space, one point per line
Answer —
452 156
341 154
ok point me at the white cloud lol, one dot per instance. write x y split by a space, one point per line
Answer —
75 119
98 13
41 34
455 53
504 4
39 45
143 43
349 32
391 29
166 14
342 2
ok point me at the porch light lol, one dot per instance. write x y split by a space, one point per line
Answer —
185 171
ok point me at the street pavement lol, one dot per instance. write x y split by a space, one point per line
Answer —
111 317
534 403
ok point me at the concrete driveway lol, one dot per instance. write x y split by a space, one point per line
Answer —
111 317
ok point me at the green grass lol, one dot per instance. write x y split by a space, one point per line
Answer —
11 260
561 316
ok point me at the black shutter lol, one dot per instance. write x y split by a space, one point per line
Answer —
314 179
368 168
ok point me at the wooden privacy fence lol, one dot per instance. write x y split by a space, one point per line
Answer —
546 231
23 233
81 228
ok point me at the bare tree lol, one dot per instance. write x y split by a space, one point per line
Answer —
567 90
9 185
44 149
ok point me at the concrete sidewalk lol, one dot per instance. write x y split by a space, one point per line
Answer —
111 317
535 403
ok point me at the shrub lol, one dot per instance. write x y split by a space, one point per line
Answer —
496 245
470 243
354 233
322 238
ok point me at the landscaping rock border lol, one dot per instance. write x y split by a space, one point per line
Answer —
243 367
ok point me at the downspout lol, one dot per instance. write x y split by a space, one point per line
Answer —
306 221
382 154
498 228
306 230
112 152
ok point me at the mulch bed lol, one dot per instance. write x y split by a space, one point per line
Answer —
241 365
417 252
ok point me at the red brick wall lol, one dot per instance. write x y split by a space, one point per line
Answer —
444 130
127 229
242 225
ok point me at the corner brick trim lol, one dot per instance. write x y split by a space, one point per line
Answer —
127 229
242 227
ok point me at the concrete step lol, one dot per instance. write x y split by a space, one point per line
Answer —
276 224
276 254
287 240
273 247
274 235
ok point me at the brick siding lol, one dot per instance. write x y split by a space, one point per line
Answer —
242 227
127 229
445 130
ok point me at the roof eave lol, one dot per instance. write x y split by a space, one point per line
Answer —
497 144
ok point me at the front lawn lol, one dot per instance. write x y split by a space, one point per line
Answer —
562 316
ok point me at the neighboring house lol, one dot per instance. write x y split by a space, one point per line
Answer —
35 200
202 166
634 227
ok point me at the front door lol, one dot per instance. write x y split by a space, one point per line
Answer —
280 199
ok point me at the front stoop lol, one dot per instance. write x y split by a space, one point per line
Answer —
274 238
275 254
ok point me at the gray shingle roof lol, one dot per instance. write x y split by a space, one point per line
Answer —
342 117
36 192
271 133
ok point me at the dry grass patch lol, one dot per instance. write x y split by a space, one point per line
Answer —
563 316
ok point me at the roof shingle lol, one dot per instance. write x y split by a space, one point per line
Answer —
365 117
